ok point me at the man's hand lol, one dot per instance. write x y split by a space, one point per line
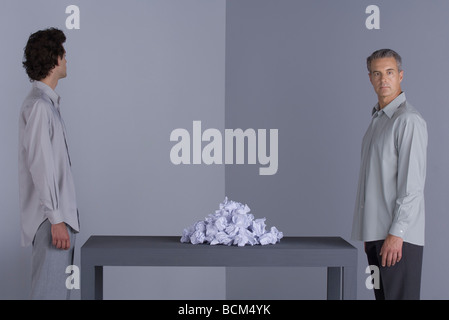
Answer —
391 250
60 236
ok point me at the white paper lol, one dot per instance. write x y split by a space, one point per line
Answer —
231 224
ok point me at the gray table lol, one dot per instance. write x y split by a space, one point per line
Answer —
336 254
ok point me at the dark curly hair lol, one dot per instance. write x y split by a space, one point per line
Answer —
42 51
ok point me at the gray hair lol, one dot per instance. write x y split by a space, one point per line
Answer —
384 53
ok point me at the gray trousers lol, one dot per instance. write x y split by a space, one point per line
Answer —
48 265
401 281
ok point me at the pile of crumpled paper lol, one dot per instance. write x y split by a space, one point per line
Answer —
232 224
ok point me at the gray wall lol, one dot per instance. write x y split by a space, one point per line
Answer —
299 66
139 69
136 71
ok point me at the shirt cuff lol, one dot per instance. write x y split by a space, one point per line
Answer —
397 230
54 216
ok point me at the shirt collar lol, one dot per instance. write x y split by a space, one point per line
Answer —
54 97
390 108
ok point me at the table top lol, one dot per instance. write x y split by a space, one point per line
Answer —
169 251
173 242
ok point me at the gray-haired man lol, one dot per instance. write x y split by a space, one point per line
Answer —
389 211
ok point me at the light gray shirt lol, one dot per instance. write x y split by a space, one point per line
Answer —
390 195
46 187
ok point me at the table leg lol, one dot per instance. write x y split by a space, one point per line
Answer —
349 283
87 280
98 282
91 282
334 283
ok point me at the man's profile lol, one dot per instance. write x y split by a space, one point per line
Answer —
49 214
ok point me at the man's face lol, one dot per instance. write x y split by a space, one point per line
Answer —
61 68
386 78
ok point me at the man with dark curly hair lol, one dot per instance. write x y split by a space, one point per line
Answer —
49 214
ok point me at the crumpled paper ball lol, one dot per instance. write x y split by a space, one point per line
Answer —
231 224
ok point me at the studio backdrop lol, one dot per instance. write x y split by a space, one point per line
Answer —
141 72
